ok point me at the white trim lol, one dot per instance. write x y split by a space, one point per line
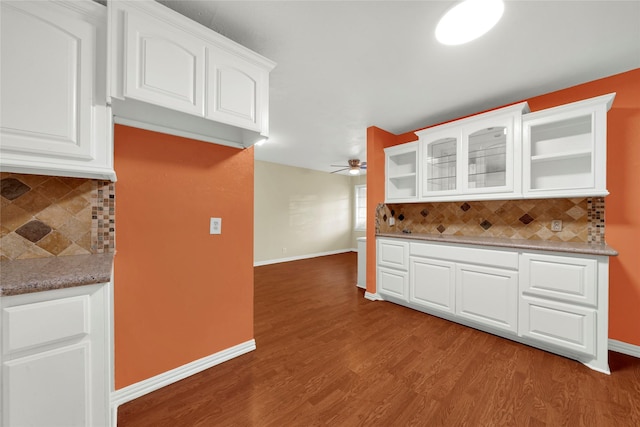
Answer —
143 387
373 297
299 257
624 348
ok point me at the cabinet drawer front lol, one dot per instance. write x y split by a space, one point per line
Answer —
30 325
392 282
475 255
488 296
571 279
559 324
394 254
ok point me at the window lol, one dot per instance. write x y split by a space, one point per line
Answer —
360 202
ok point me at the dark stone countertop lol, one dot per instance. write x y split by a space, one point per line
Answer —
536 245
24 276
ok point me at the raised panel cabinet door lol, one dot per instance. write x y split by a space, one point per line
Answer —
488 296
237 90
392 282
432 284
562 325
46 74
164 66
51 388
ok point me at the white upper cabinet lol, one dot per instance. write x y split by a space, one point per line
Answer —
474 158
165 66
401 164
565 150
236 89
173 75
53 114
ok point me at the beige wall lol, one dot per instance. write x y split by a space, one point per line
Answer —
306 212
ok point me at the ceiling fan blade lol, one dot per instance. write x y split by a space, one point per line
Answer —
339 166
340 170
363 164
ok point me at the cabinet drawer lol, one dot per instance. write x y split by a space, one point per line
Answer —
571 279
30 325
559 324
394 254
472 255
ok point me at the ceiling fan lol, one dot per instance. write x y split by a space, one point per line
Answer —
354 167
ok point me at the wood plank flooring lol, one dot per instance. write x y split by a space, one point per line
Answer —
327 356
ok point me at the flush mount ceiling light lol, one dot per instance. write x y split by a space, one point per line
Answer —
468 20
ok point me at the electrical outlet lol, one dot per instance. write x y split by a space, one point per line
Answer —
392 221
284 250
556 225
215 226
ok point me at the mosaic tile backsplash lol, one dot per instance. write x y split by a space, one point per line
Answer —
45 216
582 219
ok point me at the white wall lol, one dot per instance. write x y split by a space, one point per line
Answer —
300 212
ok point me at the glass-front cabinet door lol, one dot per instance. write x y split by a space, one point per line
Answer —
488 155
476 158
440 151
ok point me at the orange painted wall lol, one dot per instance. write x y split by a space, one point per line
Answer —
180 294
622 205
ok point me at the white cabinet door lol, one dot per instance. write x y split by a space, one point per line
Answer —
51 120
392 282
565 149
440 161
164 66
237 91
488 296
54 358
432 284
489 163
562 325
49 388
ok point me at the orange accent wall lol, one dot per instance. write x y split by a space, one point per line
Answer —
180 294
622 206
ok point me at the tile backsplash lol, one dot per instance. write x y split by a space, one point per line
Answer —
44 216
582 219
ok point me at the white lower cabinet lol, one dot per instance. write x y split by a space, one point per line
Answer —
556 301
558 324
432 283
54 358
392 282
487 295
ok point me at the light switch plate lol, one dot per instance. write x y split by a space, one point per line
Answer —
215 226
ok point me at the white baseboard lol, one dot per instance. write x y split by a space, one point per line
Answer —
624 348
141 388
373 297
299 257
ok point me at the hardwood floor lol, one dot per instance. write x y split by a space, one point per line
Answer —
327 356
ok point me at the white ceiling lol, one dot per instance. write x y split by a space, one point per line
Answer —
346 65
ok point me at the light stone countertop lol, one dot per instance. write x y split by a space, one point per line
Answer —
43 274
536 245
